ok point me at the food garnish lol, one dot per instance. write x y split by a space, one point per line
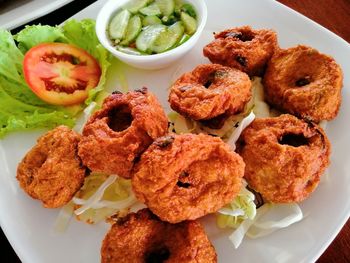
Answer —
60 74
20 108
146 27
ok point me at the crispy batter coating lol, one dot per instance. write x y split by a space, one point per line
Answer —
142 238
118 133
184 177
243 48
210 90
52 171
305 83
284 157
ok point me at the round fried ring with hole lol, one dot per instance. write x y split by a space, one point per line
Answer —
305 83
210 90
115 136
243 48
142 238
284 156
184 177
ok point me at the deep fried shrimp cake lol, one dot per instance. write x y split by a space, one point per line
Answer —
284 157
118 133
304 82
243 48
142 237
184 177
210 90
52 171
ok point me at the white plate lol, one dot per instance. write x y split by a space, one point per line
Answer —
29 227
14 13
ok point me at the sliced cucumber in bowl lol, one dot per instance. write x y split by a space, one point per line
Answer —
135 5
151 20
189 22
118 25
166 7
168 38
151 10
148 36
132 30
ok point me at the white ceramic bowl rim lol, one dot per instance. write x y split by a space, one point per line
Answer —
103 18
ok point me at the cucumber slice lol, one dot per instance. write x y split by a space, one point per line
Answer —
177 29
189 22
166 6
183 39
129 50
189 9
151 10
118 24
168 39
135 5
148 36
151 20
132 30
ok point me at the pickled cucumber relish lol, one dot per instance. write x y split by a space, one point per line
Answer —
145 27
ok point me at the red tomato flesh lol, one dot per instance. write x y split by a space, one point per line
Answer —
60 74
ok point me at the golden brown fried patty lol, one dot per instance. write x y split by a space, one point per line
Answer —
305 83
118 133
243 48
210 90
52 171
142 238
184 177
284 157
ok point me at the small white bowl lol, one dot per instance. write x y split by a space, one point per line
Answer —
155 61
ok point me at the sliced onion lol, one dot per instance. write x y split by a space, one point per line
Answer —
63 218
96 197
237 132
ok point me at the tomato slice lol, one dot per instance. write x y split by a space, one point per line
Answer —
60 74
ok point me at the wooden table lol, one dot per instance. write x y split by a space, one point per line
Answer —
332 14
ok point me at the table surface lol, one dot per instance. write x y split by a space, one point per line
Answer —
332 14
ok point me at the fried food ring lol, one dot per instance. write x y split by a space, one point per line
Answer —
52 171
305 83
142 237
210 90
184 177
284 156
243 48
117 134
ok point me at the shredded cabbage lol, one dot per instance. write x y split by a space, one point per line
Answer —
278 216
237 132
103 196
269 218
96 197
238 235
260 108
240 209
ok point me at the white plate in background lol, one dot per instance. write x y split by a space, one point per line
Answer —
14 13
29 227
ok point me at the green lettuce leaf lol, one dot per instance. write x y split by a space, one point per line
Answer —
20 108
